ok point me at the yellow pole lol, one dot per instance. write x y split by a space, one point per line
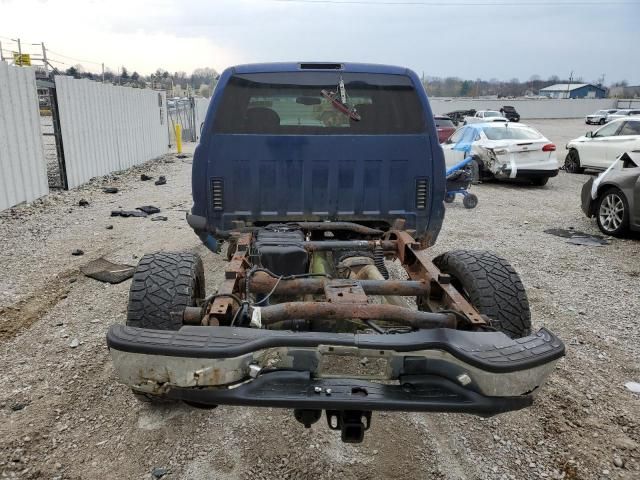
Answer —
179 137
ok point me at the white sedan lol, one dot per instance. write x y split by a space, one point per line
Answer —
483 116
504 150
598 150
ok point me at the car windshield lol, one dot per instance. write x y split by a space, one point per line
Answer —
286 103
630 128
492 114
504 132
601 112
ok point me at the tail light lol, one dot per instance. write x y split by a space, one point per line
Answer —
421 193
549 147
217 193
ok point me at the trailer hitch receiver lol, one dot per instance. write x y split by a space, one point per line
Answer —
351 423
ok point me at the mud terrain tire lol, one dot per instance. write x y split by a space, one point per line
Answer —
163 283
492 286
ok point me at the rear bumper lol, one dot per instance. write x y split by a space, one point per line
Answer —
298 390
428 370
529 173
587 203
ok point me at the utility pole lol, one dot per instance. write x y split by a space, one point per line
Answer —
569 84
19 51
44 59
102 72
602 79
1 55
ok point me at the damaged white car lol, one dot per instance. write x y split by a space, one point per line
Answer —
504 151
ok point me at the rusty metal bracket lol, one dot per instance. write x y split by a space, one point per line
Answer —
441 291
221 308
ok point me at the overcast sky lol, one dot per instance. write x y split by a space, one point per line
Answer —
464 38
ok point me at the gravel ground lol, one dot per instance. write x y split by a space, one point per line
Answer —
62 414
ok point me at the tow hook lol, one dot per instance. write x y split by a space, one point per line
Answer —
350 423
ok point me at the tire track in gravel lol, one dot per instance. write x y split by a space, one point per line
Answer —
448 454
21 315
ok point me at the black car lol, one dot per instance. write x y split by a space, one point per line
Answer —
510 113
457 116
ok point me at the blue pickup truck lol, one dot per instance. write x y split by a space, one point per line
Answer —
315 176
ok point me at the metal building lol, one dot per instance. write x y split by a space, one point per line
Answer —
573 90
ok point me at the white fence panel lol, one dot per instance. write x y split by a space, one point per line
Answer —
201 106
628 103
106 128
23 170
527 108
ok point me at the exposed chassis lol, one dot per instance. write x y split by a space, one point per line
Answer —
445 356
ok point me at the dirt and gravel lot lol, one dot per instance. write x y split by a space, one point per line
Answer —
62 414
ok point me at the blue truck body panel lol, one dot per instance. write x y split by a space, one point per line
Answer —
363 178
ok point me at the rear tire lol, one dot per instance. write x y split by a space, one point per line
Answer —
164 283
572 162
601 122
492 286
612 212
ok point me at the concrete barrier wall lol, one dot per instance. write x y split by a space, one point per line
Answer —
23 171
106 128
527 108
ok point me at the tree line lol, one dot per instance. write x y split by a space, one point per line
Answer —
200 81
457 87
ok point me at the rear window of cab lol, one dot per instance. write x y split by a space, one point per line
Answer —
291 103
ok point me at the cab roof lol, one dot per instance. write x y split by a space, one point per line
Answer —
319 66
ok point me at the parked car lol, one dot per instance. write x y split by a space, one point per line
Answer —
445 127
600 117
614 197
597 150
485 116
504 151
625 112
457 116
510 113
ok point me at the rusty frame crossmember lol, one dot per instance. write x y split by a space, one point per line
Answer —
346 299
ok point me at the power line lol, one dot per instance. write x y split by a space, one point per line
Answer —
59 61
72 58
503 3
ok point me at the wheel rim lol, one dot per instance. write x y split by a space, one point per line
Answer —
571 163
611 212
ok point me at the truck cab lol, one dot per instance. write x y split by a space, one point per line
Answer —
274 149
